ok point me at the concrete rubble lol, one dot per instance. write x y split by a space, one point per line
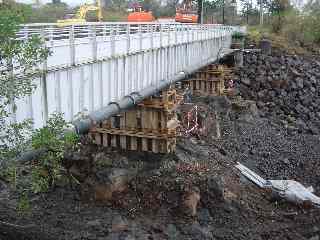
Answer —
290 190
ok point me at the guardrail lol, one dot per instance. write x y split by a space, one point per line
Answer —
52 31
94 41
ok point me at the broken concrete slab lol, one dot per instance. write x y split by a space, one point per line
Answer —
290 190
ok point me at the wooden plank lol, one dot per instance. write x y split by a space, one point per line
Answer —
155 134
164 96
172 145
134 144
122 121
123 142
163 146
113 141
97 139
105 141
144 144
113 122
131 119
155 147
211 87
106 123
146 118
124 131
154 120
162 120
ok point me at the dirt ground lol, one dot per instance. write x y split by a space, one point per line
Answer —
230 206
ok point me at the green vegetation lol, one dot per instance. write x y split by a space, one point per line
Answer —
24 206
23 58
16 58
290 27
238 35
49 12
48 169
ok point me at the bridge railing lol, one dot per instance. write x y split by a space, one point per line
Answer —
52 31
96 41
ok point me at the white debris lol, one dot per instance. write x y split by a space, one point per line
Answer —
290 190
251 175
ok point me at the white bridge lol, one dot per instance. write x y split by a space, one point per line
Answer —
94 64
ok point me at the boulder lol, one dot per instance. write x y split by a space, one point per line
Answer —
190 201
119 224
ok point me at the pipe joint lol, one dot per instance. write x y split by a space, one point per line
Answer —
134 97
116 104
82 126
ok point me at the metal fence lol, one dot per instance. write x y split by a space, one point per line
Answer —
97 63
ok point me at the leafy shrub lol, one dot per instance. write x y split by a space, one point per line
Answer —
238 35
23 204
27 56
48 168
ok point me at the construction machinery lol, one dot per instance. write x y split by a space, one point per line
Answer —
186 12
80 16
138 14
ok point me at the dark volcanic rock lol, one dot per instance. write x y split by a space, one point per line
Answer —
284 86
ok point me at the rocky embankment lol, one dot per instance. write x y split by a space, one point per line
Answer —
285 87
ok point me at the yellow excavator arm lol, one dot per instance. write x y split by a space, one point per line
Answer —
82 13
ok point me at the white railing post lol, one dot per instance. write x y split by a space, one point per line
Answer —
140 37
43 38
25 33
51 30
104 31
193 38
161 44
128 38
94 42
175 34
151 36
169 33
113 42
72 46
207 32
197 28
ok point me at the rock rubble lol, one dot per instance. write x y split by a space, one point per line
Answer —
285 87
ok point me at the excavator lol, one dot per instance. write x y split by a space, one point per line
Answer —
80 16
139 15
186 12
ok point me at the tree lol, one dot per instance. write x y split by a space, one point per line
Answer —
19 63
200 11
220 11
277 9
49 12
213 9
249 12
312 20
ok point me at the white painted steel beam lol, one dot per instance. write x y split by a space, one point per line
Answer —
97 63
